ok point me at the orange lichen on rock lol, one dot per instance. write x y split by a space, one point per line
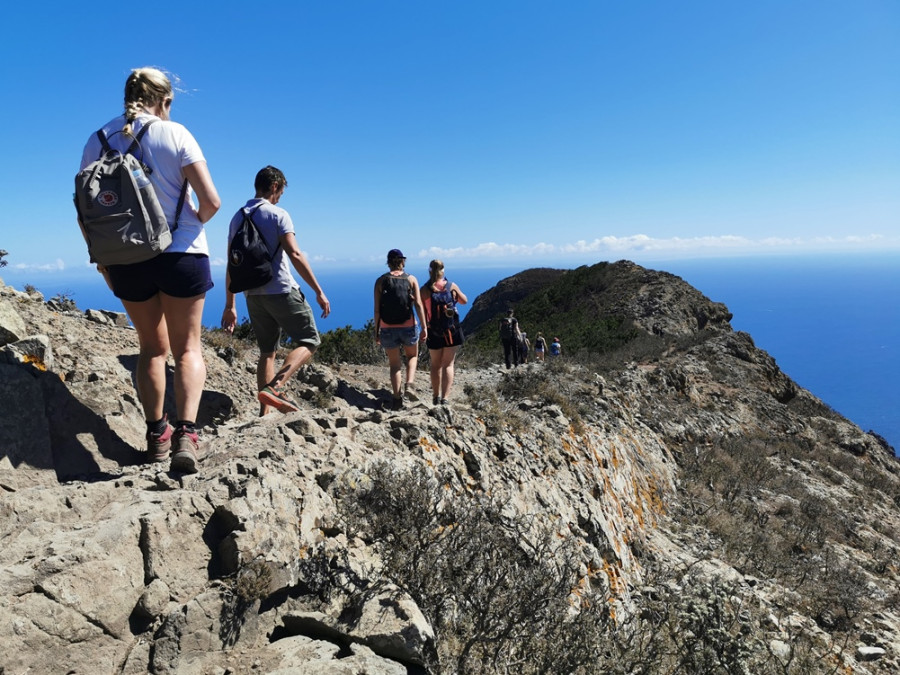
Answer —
35 361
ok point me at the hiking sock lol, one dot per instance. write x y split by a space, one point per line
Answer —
187 426
157 428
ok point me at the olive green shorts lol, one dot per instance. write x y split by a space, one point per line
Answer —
287 312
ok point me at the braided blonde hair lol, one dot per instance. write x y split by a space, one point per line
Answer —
144 87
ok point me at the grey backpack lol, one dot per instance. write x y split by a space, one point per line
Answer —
118 208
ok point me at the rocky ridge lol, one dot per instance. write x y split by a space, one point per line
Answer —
111 564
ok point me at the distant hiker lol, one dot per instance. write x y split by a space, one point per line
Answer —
555 347
445 336
279 304
164 295
524 347
397 296
540 347
509 337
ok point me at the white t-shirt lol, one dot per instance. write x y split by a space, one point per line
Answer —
167 148
272 222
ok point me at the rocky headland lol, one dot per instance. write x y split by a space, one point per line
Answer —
673 505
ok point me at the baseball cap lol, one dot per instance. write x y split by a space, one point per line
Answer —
395 253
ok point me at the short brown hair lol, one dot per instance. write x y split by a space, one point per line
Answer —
267 177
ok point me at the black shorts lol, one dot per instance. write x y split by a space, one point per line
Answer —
181 275
439 338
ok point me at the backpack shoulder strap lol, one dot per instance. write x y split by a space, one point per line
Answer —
249 216
136 143
180 206
104 143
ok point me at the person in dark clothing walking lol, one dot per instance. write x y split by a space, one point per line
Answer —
509 337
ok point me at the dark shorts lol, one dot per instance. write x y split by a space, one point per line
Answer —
290 312
439 338
181 275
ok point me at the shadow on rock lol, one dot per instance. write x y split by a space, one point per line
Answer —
215 407
63 434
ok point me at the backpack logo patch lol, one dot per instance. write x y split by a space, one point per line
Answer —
108 198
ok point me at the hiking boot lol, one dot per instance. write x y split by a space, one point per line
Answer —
444 401
158 445
271 396
409 392
187 445
397 403
435 400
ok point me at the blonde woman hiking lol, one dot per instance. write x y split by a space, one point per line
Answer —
440 297
164 295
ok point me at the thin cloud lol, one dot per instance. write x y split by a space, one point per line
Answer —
57 266
641 243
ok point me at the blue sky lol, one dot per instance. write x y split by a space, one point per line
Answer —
527 132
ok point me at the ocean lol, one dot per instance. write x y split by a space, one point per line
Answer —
831 322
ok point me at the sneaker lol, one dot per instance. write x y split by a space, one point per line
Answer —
435 400
271 396
158 445
444 401
187 444
397 403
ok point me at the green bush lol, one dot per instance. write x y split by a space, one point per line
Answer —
350 345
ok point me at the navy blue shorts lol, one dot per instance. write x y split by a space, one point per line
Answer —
181 275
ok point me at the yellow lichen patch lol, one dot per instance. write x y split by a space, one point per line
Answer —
648 502
617 585
428 445
637 508
35 361
614 460
654 495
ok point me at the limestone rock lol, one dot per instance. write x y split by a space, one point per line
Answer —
34 351
12 327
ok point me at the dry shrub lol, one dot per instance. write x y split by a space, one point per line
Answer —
496 588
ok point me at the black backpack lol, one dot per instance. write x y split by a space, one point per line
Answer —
395 305
507 328
249 260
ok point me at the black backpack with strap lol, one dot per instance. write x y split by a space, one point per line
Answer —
395 304
508 328
249 260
